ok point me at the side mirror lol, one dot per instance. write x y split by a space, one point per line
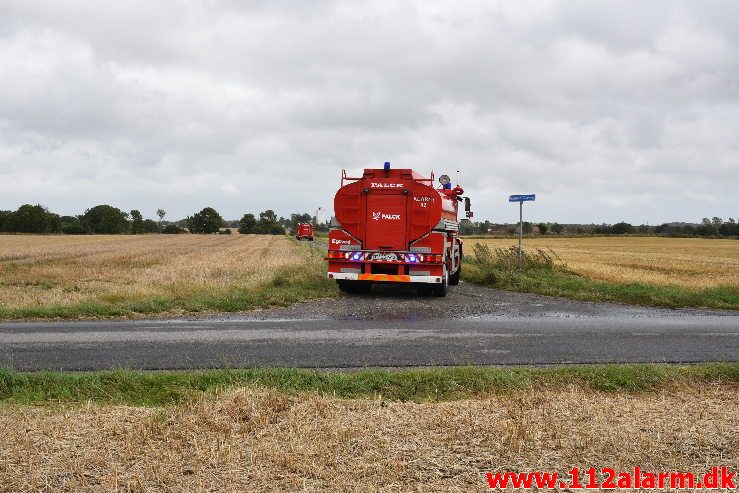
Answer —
467 204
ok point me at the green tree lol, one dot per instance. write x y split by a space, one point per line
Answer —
557 228
527 228
6 221
543 228
248 224
161 213
467 227
268 224
484 227
137 222
30 219
105 219
299 218
206 221
622 228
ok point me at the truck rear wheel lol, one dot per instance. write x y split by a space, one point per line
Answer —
441 290
454 278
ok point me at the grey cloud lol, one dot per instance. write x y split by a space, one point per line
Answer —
630 107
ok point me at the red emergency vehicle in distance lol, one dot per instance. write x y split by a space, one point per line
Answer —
304 231
392 225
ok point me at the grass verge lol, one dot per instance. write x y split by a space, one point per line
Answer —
169 388
542 272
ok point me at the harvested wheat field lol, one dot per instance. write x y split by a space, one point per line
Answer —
260 440
123 275
693 263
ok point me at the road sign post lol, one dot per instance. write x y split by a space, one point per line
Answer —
521 199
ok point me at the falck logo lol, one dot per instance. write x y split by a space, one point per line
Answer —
381 215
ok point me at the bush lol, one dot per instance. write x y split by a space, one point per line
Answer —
226 231
149 226
74 229
173 229
501 267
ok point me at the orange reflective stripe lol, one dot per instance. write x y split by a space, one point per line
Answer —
384 277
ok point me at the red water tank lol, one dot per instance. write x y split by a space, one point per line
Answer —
393 225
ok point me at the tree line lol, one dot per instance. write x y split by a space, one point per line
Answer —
106 219
715 227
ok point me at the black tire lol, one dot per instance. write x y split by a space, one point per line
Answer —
454 278
441 290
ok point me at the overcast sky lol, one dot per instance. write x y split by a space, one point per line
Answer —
608 111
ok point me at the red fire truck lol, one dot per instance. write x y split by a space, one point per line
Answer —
304 231
392 225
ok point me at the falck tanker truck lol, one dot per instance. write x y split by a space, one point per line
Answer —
393 226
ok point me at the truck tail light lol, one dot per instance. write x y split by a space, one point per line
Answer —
337 255
432 259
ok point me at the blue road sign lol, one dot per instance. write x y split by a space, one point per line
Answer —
522 198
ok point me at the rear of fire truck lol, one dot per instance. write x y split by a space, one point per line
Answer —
304 231
394 226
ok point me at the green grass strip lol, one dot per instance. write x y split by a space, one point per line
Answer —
140 388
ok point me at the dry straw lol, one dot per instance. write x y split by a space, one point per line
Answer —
64 270
694 263
264 441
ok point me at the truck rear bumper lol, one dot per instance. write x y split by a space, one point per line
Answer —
348 276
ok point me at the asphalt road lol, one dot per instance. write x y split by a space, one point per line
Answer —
390 328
